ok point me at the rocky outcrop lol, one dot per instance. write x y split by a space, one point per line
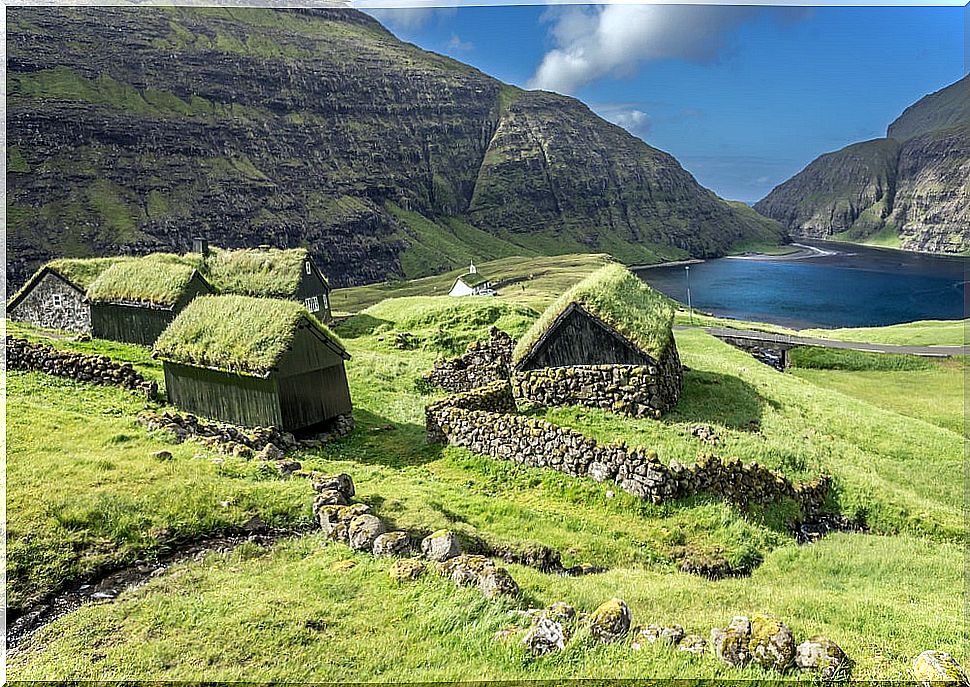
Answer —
318 128
910 189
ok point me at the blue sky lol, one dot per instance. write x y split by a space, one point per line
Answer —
744 97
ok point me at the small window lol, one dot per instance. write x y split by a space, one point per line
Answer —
326 302
312 304
306 266
57 300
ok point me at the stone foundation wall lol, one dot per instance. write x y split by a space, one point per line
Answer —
482 422
635 390
54 304
484 362
82 367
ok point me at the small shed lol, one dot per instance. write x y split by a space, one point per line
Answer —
615 332
54 296
135 300
472 284
254 362
266 272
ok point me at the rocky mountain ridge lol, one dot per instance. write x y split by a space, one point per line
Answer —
909 190
133 130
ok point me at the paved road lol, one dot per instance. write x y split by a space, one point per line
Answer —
925 351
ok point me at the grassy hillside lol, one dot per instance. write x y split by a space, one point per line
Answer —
85 491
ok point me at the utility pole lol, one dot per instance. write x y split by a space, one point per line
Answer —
690 308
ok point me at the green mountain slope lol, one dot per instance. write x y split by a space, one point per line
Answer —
910 190
317 128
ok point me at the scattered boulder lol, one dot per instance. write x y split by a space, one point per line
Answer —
822 655
270 452
287 467
730 644
440 546
363 531
162 455
496 582
561 611
705 433
345 565
933 668
545 637
392 544
610 621
651 634
465 569
330 497
341 483
693 644
407 569
772 645
335 520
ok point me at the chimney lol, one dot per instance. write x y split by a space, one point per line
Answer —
200 246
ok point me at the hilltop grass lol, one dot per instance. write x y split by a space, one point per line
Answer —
620 299
922 333
294 614
819 358
235 333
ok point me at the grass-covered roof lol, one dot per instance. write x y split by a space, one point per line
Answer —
158 279
620 299
473 279
262 272
237 334
79 271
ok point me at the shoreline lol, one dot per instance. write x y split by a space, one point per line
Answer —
673 263
804 252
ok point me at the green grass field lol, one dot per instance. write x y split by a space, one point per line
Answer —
84 492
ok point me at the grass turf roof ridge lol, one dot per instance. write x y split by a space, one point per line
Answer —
259 272
620 299
79 271
158 279
238 334
473 279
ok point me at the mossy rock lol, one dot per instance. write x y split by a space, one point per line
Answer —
363 530
933 668
822 655
407 569
610 621
440 546
496 582
465 569
392 544
730 644
772 645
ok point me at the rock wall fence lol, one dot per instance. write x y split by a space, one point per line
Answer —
484 421
483 362
82 367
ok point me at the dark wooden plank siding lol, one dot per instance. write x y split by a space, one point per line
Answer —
197 286
311 285
241 400
308 352
128 323
312 397
578 339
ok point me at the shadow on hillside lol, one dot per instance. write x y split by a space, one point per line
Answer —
723 399
360 325
378 441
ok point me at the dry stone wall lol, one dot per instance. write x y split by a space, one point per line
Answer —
635 390
82 367
484 362
54 304
484 421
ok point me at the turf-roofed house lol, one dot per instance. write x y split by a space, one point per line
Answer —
135 300
266 272
55 296
608 343
256 362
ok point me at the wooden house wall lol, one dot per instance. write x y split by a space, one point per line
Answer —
312 285
579 339
308 352
129 323
241 400
312 397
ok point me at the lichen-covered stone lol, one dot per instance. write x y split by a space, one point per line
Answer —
730 644
407 569
651 634
772 645
822 655
932 668
561 612
342 483
693 644
392 544
270 452
440 546
330 497
496 582
610 621
335 520
363 531
545 637
465 569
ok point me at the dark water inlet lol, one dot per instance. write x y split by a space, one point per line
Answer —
844 286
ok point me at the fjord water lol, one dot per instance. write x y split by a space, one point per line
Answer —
841 286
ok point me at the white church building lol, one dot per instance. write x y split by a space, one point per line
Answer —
472 284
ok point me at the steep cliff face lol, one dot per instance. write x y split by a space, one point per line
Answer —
910 190
136 129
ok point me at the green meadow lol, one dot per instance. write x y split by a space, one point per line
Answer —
85 493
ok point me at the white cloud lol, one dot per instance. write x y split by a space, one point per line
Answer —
458 44
635 121
409 18
614 40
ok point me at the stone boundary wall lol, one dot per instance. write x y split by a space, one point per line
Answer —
482 422
82 367
483 362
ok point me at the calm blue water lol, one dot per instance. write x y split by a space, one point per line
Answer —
852 287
